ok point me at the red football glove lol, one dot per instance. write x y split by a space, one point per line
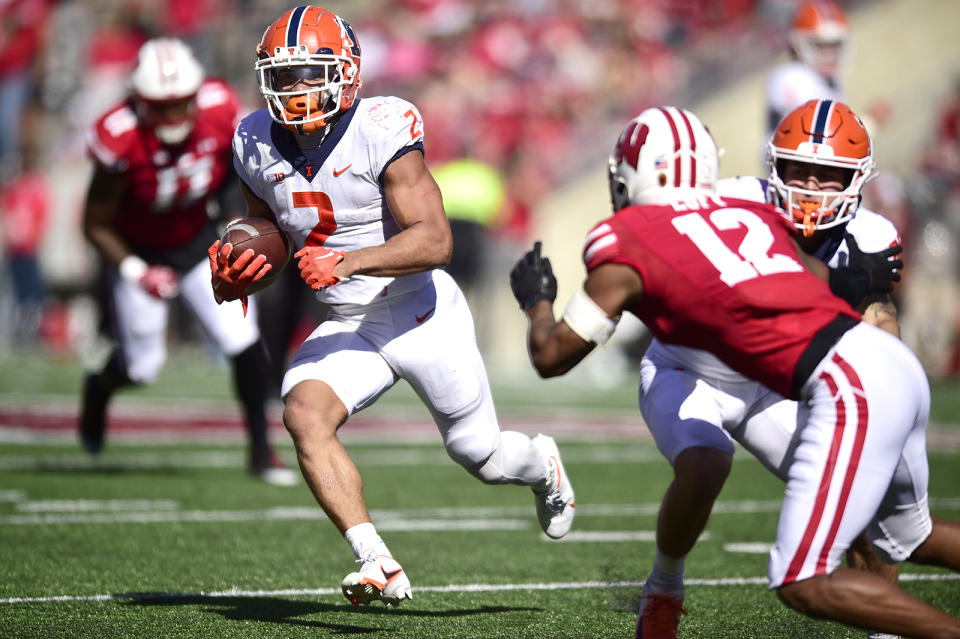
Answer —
316 266
231 282
160 281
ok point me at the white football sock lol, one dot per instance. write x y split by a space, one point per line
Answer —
363 538
667 575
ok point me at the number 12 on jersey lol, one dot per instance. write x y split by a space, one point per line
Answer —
752 257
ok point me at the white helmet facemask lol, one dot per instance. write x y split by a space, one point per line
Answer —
303 88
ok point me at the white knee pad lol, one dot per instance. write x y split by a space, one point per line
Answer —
513 460
477 452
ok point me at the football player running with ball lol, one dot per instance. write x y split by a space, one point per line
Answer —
345 178
161 158
725 275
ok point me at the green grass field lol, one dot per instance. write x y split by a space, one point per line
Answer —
170 538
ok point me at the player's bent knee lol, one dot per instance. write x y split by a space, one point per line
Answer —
483 466
478 455
823 596
312 408
702 467
800 596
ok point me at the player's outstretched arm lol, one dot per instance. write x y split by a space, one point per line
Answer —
425 241
589 319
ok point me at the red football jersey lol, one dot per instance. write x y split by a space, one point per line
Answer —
167 188
724 277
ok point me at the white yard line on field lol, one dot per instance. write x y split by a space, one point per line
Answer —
236 458
136 511
322 592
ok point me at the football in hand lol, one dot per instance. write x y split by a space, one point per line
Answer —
264 238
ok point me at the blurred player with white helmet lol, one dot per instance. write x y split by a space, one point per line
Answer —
345 178
161 163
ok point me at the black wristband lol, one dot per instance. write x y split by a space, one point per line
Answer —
533 299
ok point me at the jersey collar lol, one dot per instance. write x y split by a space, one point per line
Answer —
307 162
831 243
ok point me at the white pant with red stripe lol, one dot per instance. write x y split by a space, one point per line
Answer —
864 420
140 321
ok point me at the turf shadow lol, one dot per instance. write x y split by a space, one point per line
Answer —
289 611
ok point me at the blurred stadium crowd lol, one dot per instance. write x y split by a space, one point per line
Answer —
524 87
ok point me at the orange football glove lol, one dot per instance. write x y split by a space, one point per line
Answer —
316 266
231 281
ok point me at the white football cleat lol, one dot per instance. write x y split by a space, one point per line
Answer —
270 469
555 505
279 476
380 577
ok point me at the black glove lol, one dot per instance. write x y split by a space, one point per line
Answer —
866 273
532 279
881 270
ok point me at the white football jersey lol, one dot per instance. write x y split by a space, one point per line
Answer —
331 194
872 231
790 85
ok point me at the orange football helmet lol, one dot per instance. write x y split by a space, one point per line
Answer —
818 34
308 66
825 133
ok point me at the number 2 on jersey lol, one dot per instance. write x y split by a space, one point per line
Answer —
414 131
752 258
327 222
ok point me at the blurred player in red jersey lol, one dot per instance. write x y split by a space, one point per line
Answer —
162 157
726 275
